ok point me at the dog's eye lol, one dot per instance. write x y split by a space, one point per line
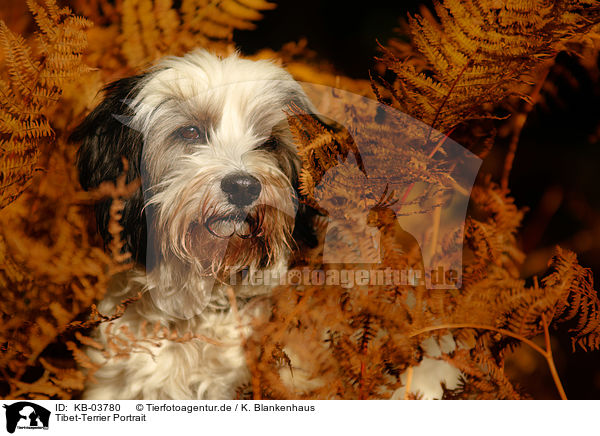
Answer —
189 133
269 145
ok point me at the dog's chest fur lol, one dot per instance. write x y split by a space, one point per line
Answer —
148 358
146 362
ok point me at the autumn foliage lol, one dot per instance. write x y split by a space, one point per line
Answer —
464 60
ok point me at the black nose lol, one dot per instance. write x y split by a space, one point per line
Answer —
241 188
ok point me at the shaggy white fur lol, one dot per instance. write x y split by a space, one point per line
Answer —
211 368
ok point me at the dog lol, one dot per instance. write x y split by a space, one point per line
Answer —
209 138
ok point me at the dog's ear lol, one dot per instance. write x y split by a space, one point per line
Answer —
304 233
304 227
105 140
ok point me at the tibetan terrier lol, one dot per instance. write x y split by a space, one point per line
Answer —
209 139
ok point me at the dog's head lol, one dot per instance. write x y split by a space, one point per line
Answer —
210 140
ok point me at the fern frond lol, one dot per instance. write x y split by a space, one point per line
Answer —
578 299
34 83
151 29
496 44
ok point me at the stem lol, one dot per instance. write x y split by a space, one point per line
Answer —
361 387
409 376
550 360
481 327
547 353
437 215
430 155
447 96
519 123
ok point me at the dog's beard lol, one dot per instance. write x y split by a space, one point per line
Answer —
202 241
225 243
196 225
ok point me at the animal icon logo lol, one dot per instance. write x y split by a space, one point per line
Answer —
26 415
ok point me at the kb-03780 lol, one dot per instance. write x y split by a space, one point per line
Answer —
97 407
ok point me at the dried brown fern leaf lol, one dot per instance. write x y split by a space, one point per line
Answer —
54 273
467 70
30 85
320 147
146 30
567 294
357 341
484 378
345 344
496 309
476 52
578 299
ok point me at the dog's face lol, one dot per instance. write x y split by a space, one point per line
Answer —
218 162
209 137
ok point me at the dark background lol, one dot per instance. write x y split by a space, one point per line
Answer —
557 166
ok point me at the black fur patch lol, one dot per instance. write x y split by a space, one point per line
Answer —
105 140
